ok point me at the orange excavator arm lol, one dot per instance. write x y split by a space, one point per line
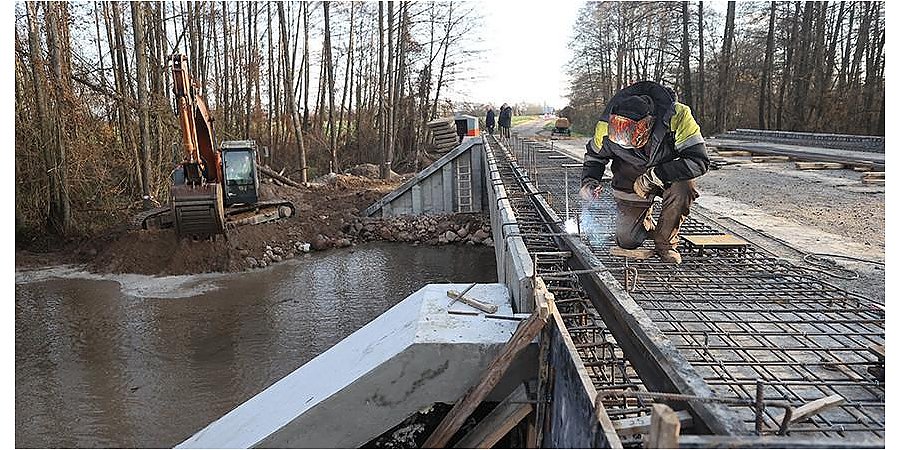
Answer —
200 155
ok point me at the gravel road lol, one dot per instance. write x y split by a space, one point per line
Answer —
787 211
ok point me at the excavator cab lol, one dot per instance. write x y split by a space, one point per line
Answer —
241 183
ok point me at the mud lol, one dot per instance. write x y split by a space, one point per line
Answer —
327 216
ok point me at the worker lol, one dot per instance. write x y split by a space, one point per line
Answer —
656 150
505 120
489 120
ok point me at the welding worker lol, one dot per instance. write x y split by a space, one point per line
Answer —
656 150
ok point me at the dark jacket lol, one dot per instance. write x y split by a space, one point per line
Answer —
489 120
505 117
676 149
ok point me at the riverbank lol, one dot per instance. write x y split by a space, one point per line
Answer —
327 216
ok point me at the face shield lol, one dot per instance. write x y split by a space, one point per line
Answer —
629 133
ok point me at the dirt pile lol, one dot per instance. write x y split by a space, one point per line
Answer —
327 216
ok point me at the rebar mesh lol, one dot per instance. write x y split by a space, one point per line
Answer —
739 316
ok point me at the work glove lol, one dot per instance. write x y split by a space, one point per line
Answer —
647 184
590 189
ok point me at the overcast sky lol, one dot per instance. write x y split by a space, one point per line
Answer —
526 50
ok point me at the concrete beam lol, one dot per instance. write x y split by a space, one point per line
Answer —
413 355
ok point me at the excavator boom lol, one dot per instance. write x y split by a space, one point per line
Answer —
197 204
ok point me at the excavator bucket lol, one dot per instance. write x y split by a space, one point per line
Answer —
198 210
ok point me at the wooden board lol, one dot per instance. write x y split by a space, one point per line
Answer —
818 165
812 408
769 159
664 427
499 421
637 253
463 408
715 240
733 153
641 425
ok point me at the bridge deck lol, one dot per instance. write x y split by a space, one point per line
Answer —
743 319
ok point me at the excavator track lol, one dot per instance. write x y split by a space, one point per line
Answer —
235 216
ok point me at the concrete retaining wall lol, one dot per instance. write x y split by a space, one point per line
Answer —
434 189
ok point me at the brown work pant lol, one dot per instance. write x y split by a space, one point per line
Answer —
634 222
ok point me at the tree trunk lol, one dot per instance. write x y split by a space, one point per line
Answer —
58 217
788 66
140 58
329 68
722 105
765 88
685 56
289 94
701 78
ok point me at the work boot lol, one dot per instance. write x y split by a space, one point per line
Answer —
669 256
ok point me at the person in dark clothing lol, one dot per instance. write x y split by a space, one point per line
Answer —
656 150
489 120
505 120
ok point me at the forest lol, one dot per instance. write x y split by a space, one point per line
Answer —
321 85
798 66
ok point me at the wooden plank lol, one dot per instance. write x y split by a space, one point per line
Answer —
463 408
818 165
877 350
641 425
812 408
862 168
715 240
734 153
637 253
665 427
499 421
878 175
770 159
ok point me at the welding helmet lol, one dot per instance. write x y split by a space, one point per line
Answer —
630 122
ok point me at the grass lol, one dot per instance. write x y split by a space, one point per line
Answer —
518 120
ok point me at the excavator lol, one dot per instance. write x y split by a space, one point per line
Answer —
212 189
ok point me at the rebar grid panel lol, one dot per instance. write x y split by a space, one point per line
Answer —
742 316
603 359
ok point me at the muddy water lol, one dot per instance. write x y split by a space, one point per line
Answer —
135 361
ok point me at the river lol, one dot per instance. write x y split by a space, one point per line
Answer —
137 361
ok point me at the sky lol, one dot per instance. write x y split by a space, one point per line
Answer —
526 49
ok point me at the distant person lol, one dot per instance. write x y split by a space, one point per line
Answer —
656 150
489 120
505 120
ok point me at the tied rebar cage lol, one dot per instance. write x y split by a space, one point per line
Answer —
603 360
748 322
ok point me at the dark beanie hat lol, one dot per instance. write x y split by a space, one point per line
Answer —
635 107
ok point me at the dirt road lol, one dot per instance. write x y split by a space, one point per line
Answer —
787 211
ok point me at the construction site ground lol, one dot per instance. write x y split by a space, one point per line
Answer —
790 212
327 215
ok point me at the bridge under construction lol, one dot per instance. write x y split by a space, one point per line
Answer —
735 347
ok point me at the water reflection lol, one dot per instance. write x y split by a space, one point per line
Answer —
96 367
